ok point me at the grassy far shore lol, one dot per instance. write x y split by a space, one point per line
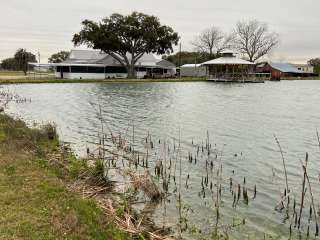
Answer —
11 73
57 80
35 202
54 80
16 77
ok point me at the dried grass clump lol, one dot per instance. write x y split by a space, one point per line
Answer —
146 184
50 130
128 222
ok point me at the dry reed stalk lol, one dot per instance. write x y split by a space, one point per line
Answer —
303 191
283 162
318 138
179 196
311 194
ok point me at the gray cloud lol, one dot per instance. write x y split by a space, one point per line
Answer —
47 26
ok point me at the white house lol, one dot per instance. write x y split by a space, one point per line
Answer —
192 70
91 64
304 67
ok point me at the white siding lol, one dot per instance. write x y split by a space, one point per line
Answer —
57 74
116 75
83 75
68 75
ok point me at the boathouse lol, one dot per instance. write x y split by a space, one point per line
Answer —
91 64
229 68
280 71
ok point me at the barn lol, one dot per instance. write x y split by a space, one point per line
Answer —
280 71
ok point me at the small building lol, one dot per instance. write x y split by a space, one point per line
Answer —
304 67
91 64
229 68
192 70
280 71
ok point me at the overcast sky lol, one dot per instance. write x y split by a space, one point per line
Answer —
47 26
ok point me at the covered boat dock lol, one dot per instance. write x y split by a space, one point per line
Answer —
229 68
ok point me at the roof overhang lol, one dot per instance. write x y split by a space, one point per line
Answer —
147 65
227 61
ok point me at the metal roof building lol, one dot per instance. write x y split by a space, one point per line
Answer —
282 70
92 64
228 67
285 67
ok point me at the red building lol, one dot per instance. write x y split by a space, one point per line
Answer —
280 71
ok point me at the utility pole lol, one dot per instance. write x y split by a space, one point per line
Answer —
180 60
39 61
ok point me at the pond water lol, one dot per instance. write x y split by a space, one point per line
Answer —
241 120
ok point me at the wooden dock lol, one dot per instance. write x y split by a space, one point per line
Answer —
220 80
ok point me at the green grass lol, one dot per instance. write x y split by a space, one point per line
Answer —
34 200
49 79
11 73
54 80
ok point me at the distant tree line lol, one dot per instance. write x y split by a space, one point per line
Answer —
19 62
315 62
187 58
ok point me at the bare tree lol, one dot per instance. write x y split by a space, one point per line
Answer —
254 40
212 41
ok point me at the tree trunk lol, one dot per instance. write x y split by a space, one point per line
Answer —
211 53
131 71
131 68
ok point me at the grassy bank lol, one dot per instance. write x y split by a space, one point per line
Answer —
31 80
35 202
11 73
53 80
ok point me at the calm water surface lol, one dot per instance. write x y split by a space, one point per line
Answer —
241 118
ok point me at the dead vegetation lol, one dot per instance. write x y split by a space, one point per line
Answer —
146 184
90 185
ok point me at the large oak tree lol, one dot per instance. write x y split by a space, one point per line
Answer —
127 37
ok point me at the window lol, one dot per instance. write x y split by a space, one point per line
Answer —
157 70
64 69
141 69
95 69
116 69
79 69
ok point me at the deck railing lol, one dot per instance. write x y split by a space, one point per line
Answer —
240 76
